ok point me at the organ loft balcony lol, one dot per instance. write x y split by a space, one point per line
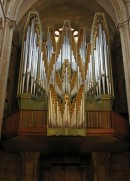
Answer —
65 93
27 129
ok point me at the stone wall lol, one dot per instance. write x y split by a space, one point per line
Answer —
64 169
120 102
27 167
110 167
11 104
119 167
10 167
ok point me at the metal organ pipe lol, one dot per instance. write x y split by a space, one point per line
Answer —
25 54
35 69
99 70
32 66
68 67
23 72
49 46
30 46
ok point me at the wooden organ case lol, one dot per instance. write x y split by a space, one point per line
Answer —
65 77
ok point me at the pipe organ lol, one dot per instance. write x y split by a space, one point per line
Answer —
98 77
32 76
67 71
66 90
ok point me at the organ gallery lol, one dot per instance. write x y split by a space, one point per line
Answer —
65 75
64 90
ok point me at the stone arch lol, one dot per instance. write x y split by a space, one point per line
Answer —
13 8
117 5
120 10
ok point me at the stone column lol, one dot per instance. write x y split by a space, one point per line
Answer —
100 166
2 159
128 6
4 63
125 42
30 166
127 154
1 31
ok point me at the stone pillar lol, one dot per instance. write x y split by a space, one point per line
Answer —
30 166
127 154
1 31
4 63
128 6
100 166
125 42
2 159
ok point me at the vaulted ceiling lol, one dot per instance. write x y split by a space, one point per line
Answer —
53 13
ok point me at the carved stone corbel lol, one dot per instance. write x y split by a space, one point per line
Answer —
1 23
12 24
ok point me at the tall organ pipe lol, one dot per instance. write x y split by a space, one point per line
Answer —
31 50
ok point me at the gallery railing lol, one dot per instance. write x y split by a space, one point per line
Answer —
32 122
99 119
